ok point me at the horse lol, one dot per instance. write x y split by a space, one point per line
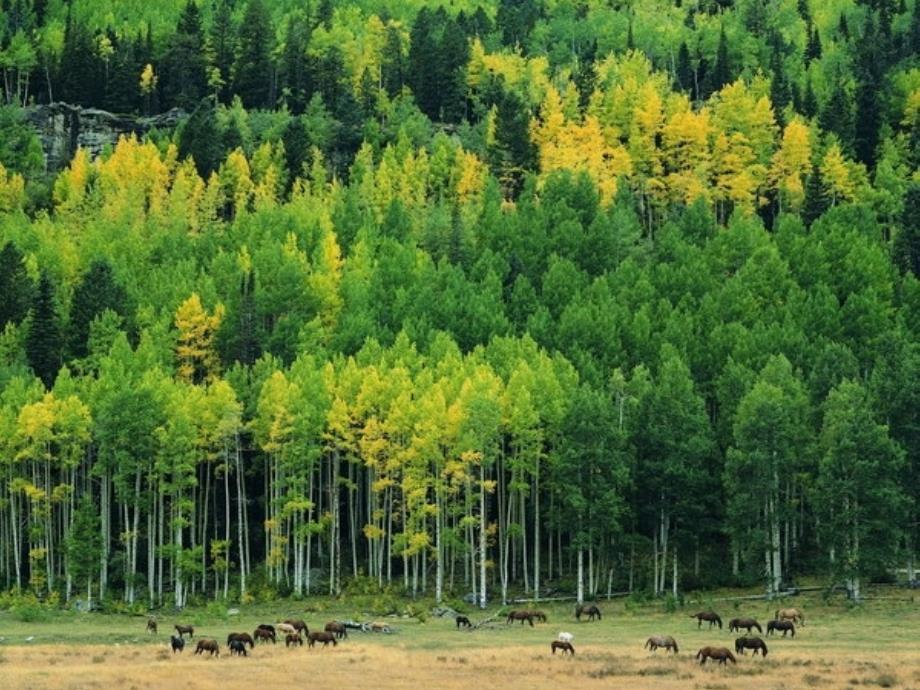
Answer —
237 647
665 642
299 626
183 629
243 637
463 622
324 637
735 624
784 625
338 628
208 646
564 646
590 611
266 626
264 634
754 643
177 643
379 627
520 616
152 625
293 640
794 615
713 618
539 615
565 637
286 629
720 654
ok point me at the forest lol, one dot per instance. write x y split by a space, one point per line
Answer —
483 296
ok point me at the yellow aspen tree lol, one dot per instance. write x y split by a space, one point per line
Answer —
236 181
12 190
686 149
267 173
836 175
790 162
71 185
326 277
195 348
186 196
737 174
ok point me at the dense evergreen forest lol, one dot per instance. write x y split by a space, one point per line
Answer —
489 296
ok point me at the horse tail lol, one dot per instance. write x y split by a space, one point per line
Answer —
676 650
732 658
719 621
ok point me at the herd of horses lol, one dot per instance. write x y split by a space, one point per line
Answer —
294 632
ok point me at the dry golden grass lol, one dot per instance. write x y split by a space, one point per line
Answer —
364 662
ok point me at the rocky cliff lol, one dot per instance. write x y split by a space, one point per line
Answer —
62 128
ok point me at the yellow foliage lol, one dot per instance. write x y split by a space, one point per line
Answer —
71 185
836 174
186 196
12 190
148 81
236 181
195 349
792 162
686 150
133 180
737 174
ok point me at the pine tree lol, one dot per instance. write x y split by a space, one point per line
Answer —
907 242
815 197
809 100
199 138
15 286
393 68
45 342
453 55
780 89
292 71
96 292
721 72
837 115
869 72
252 74
423 56
683 78
843 27
222 45
813 48
804 11
512 154
183 75
516 19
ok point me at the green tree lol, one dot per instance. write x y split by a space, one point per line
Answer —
253 70
84 544
97 291
15 286
45 341
183 76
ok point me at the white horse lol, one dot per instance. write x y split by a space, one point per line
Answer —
565 637
287 629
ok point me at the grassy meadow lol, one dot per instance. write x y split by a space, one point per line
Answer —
874 645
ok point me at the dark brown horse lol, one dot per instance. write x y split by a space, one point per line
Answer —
590 611
463 622
264 635
298 625
735 624
177 643
720 654
754 643
208 646
325 637
336 627
538 615
152 625
710 616
185 630
665 642
520 616
243 637
785 626
566 647
237 647
293 640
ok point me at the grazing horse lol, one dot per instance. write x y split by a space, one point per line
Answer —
152 625
338 628
590 611
520 616
785 626
713 618
208 646
794 615
243 637
237 647
183 629
463 622
564 646
720 654
324 637
293 640
264 634
266 626
286 629
735 624
177 643
539 615
665 642
565 637
299 626
754 643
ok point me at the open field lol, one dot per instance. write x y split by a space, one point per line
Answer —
875 646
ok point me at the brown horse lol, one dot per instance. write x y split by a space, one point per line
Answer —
538 615
735 624
293 640
185 629
754 643
152 625
243 637
177 643
794 615
564 646
720 654
785 626
591 612
298 625
710 616
463 622
208 646
520 616
237 647
336 627
324 637
264 635
666 642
